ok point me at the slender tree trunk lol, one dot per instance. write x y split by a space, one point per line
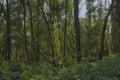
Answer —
117 17
65 29
50 36
38 29
103 31
32 32
24 31
52 6
7 50
77 30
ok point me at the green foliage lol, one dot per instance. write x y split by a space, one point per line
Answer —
53 32
106 69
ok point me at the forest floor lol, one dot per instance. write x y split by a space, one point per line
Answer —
106 69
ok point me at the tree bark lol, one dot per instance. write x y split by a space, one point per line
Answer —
24 29
50 36
36 58
65 30
7 50
77 30
103 31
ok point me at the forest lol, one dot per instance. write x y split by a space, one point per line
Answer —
59 40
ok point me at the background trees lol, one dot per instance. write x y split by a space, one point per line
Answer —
52 31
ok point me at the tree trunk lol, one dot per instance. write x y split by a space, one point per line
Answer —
38 30
65 30
115 31
77 30
103 31
36 58
24 30
53 62
7 50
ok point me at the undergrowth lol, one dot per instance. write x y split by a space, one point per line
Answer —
106 69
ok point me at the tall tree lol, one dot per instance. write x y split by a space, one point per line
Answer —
32 32
77 30
91 28
104 29
24 28
38 28
115 30
65 28
7 50
49 23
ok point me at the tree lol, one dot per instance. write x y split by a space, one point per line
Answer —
115 30
77 30
7 50
32 32
92 28
24 28
65 28
104 29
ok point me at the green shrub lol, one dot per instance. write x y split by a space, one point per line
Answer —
106 69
